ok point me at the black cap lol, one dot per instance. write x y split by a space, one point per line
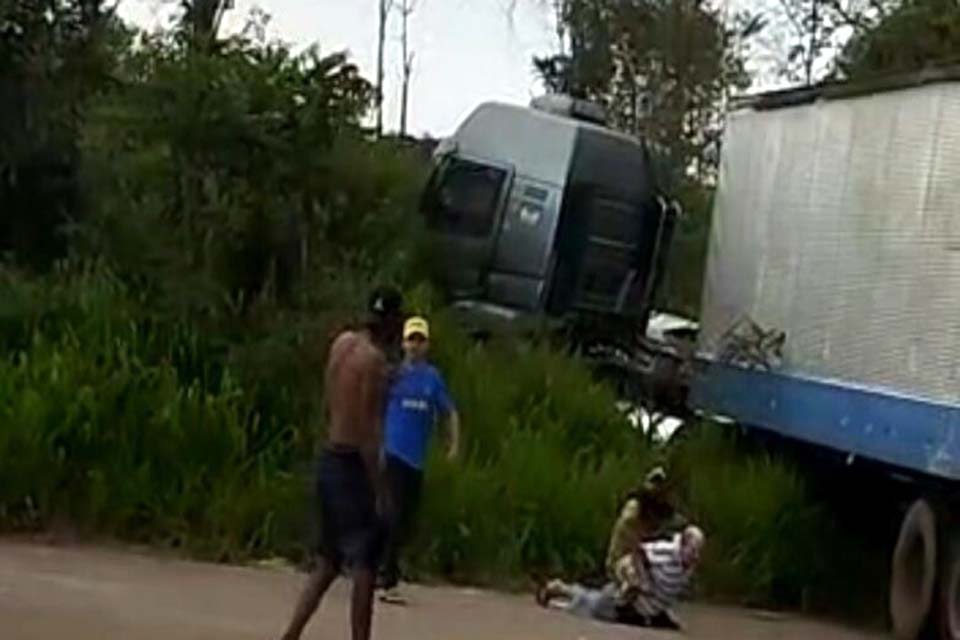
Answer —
385 301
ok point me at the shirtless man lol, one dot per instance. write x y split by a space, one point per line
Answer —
349 470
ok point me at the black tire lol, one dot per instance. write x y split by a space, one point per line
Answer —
948 591
913 577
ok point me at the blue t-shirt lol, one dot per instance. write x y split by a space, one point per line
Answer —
417 398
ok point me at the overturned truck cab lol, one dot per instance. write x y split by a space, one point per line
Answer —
544 211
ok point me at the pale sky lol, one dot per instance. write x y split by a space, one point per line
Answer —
466 51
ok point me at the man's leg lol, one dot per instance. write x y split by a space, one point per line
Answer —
598 604
558 590
412 481
317 585
389 574
361 605
404 484
666 620
626 614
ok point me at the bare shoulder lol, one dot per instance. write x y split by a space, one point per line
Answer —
345 338
373 356
341 351
345 342
361 350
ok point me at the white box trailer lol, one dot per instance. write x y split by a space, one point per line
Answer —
831 311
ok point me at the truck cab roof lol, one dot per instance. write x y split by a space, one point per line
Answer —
540 142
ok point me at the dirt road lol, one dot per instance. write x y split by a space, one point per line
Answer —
87 594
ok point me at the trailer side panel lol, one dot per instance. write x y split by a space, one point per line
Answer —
838 223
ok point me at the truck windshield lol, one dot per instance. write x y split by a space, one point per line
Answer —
462 197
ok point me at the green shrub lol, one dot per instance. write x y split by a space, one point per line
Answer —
764 529
536 508
145 432
139 427
100 428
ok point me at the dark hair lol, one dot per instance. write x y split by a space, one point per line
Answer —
385 302
384 318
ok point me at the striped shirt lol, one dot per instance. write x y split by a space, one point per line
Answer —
655 591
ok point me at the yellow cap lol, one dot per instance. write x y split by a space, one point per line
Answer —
416 326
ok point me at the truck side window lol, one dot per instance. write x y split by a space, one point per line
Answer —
465 197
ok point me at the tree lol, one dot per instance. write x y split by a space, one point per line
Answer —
806 37
407 8
846 39
227 174
384 7
813 31
584 65
913 35
201 20
660 67
56 54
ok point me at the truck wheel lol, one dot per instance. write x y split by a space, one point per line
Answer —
913 578
949 591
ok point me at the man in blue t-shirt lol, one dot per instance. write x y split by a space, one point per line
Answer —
418 399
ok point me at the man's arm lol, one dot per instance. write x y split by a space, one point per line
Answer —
453 426
375 397
622 538
445 404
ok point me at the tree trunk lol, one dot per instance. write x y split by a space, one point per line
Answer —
814 44
406 9
384 7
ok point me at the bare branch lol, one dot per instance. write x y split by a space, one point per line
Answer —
794 20
384 6
878 6
407 7
855 21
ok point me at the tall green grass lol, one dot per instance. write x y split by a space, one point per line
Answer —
109 423
142 429
781 531
145 428
547 458
764 529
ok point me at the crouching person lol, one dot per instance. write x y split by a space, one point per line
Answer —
649 582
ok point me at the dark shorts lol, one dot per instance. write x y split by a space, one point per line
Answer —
351 532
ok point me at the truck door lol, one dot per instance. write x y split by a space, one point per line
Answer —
523 251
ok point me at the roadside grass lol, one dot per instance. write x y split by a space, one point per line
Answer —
145 431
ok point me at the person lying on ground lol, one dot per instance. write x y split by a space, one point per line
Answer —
349 469
657 573
417 401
